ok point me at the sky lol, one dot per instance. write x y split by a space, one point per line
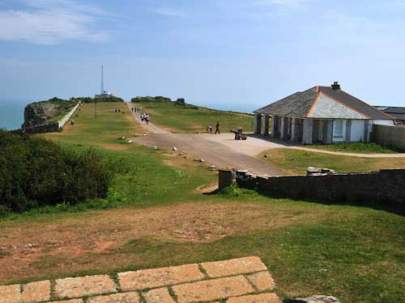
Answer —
234 54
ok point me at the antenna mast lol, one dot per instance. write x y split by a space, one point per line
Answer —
102 79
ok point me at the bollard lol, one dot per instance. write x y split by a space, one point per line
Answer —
226 178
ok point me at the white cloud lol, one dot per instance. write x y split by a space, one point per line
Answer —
50 22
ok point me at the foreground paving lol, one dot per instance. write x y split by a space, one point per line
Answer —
244 280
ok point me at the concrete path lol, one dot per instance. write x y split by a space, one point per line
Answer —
150 127
214 153
243 280
198 146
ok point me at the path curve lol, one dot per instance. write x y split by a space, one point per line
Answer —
200 148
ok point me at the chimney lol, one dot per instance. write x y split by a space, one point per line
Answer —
335 85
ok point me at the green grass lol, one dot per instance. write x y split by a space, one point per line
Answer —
141 178
194 119
364 148
297 161
354 253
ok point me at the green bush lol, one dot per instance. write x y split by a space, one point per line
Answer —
35 172
151 99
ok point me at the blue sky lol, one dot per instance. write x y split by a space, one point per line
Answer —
237 54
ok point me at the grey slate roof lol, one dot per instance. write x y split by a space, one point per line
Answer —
396 111
299 104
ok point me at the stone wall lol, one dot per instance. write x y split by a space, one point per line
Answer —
383 189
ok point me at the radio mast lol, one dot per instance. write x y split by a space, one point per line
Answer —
102 79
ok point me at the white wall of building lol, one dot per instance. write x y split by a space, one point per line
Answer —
384 122
326 107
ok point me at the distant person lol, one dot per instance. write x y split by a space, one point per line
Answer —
209 129
217 131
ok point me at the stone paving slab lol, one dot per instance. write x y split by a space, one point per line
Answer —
129 297
210 290
243 280
36 292
84 286
262 281
233 267
151 278
261 298
160 295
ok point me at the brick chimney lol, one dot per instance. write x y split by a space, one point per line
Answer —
335 85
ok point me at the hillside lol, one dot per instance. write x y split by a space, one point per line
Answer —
43 116
155 215
189 118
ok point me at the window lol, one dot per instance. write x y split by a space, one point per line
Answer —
338 129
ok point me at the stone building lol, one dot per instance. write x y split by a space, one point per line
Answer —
321 114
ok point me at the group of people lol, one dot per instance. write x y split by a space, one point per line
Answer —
145 117
210 131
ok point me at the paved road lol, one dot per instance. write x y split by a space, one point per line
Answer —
198 146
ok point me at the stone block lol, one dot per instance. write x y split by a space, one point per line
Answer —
211 290
262 280
233 267
10 294
262 298
36 292
84 286
130 297
151 278
160 295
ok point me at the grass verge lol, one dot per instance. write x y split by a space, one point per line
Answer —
362 148
192 118
296 162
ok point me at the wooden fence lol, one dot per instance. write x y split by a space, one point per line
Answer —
391 136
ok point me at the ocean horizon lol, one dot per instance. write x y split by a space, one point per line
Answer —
12 113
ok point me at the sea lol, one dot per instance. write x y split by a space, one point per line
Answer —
11 113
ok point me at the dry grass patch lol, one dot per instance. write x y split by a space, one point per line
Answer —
65 245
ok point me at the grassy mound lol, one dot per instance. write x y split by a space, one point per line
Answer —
189 118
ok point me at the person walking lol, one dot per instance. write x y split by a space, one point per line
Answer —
217 131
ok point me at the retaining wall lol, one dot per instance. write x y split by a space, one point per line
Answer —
391 136
69 115
385 188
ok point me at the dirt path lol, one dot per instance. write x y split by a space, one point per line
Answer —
150 127
198 146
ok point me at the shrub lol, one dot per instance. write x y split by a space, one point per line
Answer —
151 99
35 172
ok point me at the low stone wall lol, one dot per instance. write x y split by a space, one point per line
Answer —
68 116
385 189
47 127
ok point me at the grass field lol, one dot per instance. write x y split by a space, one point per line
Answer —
194 119
363 148
156 216
294 162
